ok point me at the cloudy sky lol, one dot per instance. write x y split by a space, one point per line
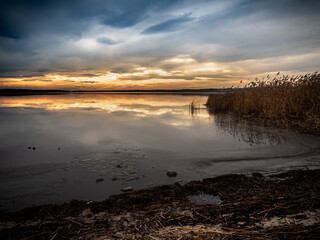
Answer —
154 44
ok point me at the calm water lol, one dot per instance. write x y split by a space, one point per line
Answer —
54 148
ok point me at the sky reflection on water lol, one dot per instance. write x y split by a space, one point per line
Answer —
127 140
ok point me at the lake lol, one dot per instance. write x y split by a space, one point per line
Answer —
55 148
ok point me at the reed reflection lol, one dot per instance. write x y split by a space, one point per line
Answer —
245 130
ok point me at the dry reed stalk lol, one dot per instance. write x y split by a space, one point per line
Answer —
233 232
194 106
287 101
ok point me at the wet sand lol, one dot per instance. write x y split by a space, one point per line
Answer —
282 206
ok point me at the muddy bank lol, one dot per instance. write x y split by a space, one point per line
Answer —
283 206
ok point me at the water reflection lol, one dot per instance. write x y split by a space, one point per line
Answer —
247 131
194 107
142 103
127 139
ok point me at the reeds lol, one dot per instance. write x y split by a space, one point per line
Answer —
194 106
283 101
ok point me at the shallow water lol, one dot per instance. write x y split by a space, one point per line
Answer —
128 140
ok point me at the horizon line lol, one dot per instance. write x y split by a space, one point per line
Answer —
114 90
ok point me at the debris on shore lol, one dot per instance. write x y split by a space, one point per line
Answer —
127 189
172 173
283 206
98 180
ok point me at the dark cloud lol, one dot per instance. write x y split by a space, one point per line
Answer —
45 80
127 13
169 67
7 29
169 25
90 82
35 33
7 81
88 75
124 19
29 80
21 18
155 76
108 41
266 9
39 37
124 68
19 74
259 29
37 80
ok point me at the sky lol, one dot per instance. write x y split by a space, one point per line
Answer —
154 44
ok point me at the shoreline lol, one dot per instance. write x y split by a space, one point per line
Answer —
286 205
26 92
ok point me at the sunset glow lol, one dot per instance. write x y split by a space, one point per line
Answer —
126 45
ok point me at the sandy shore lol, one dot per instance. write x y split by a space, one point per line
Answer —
283 206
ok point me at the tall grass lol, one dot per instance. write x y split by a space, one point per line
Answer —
194 106
283 101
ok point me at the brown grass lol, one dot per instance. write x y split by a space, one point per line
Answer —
283 101
194 106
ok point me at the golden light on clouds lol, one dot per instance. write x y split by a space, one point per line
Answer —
180 72
154 44
181 59
87 44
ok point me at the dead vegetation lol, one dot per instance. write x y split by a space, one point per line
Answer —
285 206
283 101
194 107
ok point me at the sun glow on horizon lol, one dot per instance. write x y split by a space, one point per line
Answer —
179 72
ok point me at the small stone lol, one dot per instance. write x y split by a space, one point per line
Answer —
172 173
29 147
114 178
119 166
99 180
34 148
127 189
